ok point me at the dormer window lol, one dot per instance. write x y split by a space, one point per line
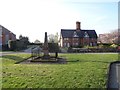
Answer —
75 34
86 35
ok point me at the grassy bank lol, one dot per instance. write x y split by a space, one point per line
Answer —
81 71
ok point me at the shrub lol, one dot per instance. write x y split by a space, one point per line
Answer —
113 46
53 47
12 45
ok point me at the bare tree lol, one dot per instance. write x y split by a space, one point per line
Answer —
114 36
36 41
53 38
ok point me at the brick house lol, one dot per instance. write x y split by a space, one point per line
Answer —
78 37
5 36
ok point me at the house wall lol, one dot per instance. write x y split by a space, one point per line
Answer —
93 41
67 42
61 42
6 35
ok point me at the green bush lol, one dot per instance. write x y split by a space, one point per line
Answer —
12 45
105 45
113 46
53 47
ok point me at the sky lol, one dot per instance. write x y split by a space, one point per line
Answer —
32 18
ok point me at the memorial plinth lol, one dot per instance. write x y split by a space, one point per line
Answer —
46 48
46 56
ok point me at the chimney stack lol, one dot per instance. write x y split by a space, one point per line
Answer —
78 26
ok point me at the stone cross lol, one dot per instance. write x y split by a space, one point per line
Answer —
45 47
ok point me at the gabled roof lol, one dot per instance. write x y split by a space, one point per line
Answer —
5 30
69 33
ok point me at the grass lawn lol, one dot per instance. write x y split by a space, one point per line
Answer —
89 72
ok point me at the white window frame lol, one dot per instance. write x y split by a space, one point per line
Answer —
75 34
64 44
68 44
66 39
86 35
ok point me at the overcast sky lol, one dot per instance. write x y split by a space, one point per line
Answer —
33 18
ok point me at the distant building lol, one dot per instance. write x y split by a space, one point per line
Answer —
5 36
78 37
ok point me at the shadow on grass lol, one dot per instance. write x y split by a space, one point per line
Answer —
15 58
12 57
88 61
20 59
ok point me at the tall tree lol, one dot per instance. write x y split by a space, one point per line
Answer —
36 41
111 37
53 38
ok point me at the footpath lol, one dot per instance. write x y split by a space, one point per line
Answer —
114 76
